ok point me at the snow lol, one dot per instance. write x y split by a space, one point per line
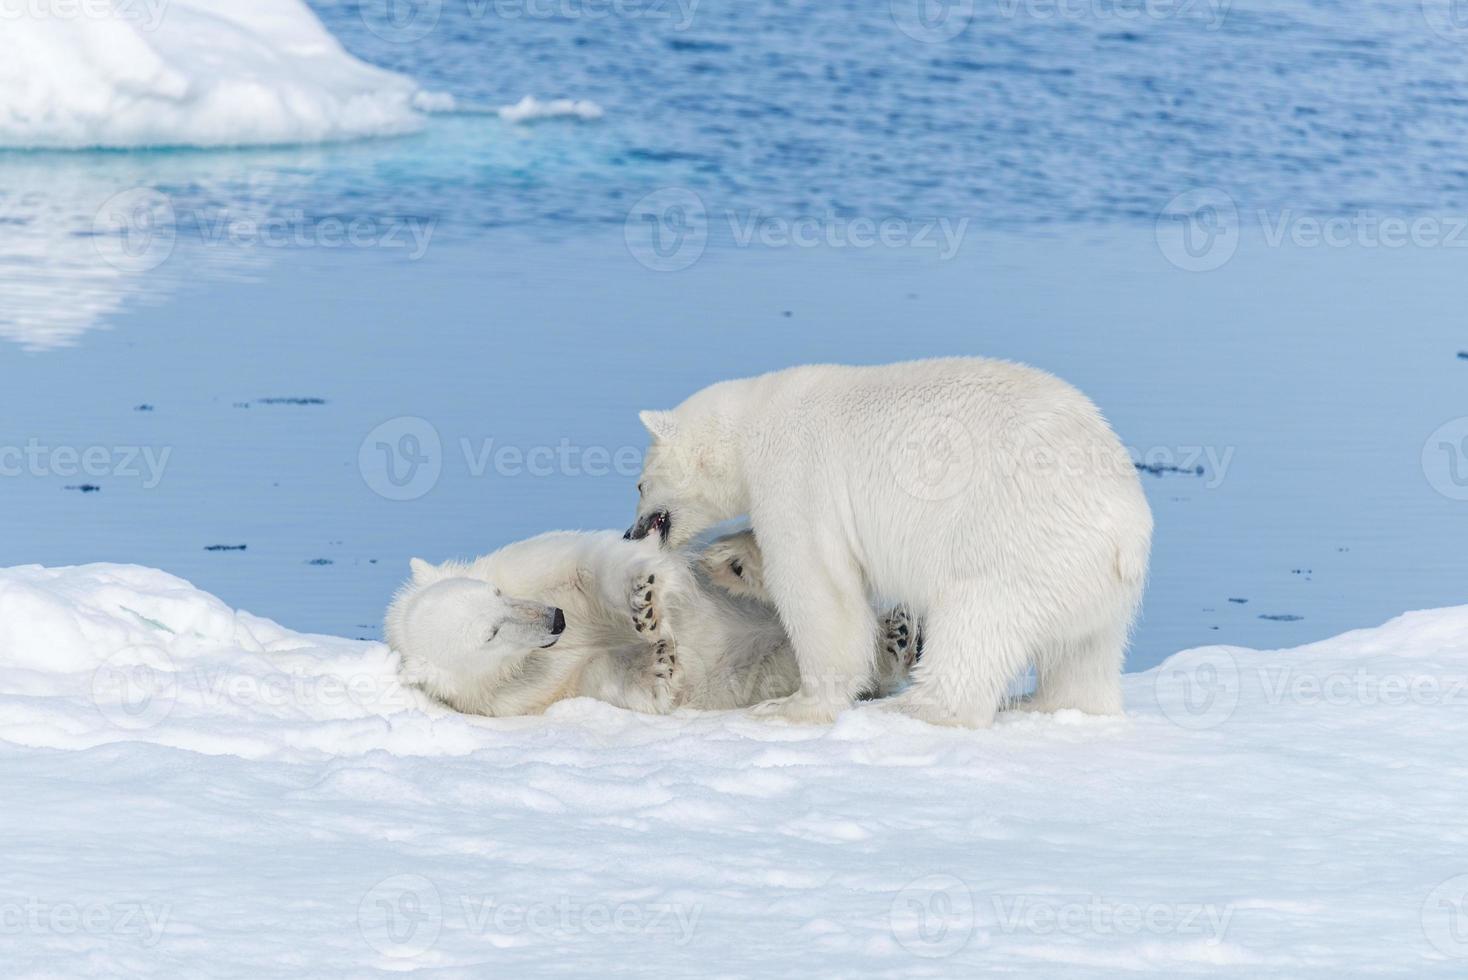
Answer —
131 73
531 109
186 784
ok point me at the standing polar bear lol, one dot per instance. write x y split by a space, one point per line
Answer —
990 499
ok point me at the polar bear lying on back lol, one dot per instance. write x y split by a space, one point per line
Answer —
990 498
577 614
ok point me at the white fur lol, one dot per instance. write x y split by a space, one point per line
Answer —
990 498
708 649
736 564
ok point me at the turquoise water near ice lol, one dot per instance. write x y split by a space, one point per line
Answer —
507 286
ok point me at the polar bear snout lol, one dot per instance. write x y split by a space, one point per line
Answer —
532 624
659 521
553 622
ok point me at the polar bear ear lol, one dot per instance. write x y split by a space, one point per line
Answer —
421 569
660 425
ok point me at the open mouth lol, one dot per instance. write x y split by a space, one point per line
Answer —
659 522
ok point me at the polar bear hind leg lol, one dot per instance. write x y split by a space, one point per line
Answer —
1081 672
975 643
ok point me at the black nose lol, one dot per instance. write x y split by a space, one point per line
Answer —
558 623
658 521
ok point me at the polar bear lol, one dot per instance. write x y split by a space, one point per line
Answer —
736 564
588 614
990 498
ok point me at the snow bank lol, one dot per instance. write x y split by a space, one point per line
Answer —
188 784
188 73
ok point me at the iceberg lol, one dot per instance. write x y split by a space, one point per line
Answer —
197 73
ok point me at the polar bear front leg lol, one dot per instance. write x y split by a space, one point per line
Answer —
832 628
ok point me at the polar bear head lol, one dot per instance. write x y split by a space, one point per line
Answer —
691 476
452 630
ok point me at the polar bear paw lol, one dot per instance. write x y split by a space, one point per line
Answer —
665 676
647 610
798 709
902 638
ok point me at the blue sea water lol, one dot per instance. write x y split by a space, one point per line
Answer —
337 402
